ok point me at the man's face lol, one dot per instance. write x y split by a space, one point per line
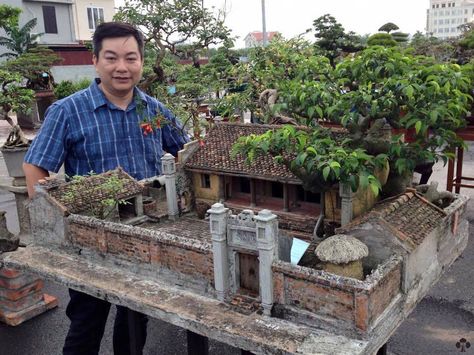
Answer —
119 65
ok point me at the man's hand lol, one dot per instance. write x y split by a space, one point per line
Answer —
33 174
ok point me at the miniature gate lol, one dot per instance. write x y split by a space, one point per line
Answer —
238 239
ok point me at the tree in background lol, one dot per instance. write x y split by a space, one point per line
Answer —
332 39
179 27
400 37
381 39
9 15
18 40
388 27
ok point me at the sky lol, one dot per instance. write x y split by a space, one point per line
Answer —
293 17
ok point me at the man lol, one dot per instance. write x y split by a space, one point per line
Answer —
99 129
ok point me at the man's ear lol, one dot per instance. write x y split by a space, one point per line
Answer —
94 59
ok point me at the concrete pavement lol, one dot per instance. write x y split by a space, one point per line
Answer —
439 322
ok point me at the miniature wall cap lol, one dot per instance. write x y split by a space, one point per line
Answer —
341 249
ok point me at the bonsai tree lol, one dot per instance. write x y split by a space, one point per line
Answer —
35 67
332 39
179 27
379 90
14 97
388 27
381 39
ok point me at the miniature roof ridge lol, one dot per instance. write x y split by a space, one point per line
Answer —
88 192
409 216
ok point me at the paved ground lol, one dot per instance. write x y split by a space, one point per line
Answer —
440 320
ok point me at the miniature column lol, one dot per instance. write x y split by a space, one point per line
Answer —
169 170
218 225
345 192
267 242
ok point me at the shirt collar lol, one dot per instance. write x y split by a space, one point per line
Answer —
98 98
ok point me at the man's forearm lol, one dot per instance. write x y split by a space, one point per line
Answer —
33 174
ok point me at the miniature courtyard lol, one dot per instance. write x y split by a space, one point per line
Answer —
229 276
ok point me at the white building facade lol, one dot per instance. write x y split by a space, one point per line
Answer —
445 16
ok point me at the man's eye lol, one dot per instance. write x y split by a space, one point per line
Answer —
110 59
131 60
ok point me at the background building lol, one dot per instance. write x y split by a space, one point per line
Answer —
445 16
255 39
65 25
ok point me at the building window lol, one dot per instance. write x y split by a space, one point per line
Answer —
465 11
443 5
441 21
435 22
95 16
205 181
437 6
49 18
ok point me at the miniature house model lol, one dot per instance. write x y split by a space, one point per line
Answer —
225 277
263 184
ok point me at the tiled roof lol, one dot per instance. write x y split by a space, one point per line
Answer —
410 216
259 35
214 156
78 195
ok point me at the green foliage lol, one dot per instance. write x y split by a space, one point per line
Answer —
377 90
332 39
180 27
400 37
32 64
111 186
388 27
67 87
18 40
381 39
14 96
316 156
9 16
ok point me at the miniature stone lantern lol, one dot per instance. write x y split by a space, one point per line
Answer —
342 255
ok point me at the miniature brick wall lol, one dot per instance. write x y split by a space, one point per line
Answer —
144 247
349 300
384 292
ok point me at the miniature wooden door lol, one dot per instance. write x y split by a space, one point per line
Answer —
249 274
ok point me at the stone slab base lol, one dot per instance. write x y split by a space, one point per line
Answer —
15 318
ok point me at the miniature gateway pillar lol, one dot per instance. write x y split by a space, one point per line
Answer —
218 220
267 240
169 170
345 192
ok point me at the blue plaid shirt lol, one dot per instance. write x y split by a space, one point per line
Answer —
88 133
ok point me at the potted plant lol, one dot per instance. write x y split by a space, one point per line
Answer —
31 61
14 97
35 68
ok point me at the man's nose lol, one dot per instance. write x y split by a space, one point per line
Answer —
121 65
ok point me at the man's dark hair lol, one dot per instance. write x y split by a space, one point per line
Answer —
114 30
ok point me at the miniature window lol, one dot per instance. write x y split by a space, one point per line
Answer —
245 185
49 18
205 181
308 196
277 190
95 16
